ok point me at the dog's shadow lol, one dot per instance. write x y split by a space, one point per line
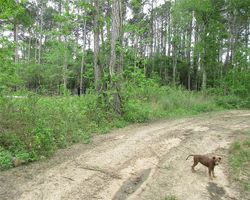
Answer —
216 192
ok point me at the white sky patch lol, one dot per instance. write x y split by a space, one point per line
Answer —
157 3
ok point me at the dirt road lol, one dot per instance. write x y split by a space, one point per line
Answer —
140 162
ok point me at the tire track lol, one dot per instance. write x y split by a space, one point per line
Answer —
139 162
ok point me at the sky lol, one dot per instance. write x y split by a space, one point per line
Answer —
156 4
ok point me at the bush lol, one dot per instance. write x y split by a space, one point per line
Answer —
5 159
136 111
230 102
43 140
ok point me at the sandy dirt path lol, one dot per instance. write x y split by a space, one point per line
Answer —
140 162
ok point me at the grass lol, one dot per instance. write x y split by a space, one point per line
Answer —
239 161
170 197
166 102
34 127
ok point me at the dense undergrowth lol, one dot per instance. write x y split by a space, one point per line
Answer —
35 126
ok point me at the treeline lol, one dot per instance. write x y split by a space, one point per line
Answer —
54 46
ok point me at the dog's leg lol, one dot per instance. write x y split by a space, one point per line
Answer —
195 163
209 172
213 173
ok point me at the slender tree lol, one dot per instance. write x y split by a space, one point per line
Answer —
116 67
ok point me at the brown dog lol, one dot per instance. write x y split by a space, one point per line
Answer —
210 163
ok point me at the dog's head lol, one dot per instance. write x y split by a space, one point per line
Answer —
216 160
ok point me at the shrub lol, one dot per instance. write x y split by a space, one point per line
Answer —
136 111
43 140
5 159
230 102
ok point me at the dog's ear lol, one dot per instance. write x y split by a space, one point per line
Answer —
213 158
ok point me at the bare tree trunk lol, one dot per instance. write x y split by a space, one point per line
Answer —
169 34
196 58
152 29
97 66
174 64
204 63
190 59
108 14
83 56
40 35
163 39
36 42
115 67
29 47
247 33
16 43
174 54
65 66
59 24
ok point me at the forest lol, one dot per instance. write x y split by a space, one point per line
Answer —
70 69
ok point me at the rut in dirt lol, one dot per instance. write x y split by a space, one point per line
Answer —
145 161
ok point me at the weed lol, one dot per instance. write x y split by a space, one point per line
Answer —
239 161
5 159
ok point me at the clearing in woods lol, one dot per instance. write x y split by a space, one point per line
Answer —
145 162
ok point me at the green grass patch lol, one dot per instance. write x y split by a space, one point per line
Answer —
152 102
239 161
170 197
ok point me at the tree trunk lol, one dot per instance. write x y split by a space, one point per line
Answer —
97 67
115 67
29 47
174 54
169 34
189 58
16 43
65 66
40 35
83 55
108 15
152 29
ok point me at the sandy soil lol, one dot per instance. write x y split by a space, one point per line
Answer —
140 162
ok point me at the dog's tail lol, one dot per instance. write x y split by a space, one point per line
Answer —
189 156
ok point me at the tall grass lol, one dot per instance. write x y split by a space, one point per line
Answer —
156 102
34 127
239 161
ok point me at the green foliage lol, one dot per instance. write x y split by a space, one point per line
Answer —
229 102
240 155
5 159
11 142
136 111
43 140
35 126
16 12
237 82
145 100
8 75
239 161
234 91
